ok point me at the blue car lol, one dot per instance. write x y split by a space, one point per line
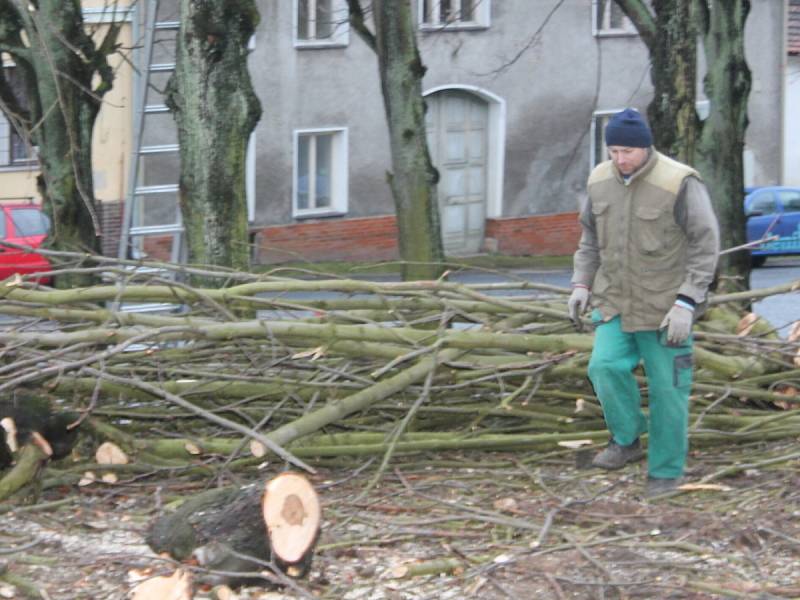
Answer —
773 211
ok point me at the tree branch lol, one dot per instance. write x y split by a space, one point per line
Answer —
359 23
643 19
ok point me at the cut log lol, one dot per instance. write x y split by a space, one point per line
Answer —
31 435
238 530
26 417
292 515
176 587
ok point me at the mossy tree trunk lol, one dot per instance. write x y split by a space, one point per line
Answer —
64 75
413 178
667 28
216 110
727 86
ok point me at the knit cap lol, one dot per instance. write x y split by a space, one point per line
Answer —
628 128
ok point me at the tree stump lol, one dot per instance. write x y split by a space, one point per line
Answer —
31 433
237 530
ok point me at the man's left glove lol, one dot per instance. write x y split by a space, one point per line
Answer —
678 323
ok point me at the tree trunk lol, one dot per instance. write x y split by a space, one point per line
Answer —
672 111
670 35
413 178
216 109
225 529
65 76
727 85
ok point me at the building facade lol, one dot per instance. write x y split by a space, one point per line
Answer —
517 92
791 136
112 137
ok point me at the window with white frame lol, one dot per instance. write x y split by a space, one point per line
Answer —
598 150
454 14
320 172
321 23
610 20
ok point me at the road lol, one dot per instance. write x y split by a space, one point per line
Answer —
784 309
781 310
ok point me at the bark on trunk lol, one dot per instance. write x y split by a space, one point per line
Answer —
670 34
727 85
216 109
413 178
65 76
226 529
30 434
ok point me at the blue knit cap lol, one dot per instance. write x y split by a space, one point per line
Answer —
628 128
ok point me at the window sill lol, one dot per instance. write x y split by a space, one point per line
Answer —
612 33
321 45
473 26
318 214
33 166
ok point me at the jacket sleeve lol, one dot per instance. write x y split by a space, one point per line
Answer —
695 215
587 258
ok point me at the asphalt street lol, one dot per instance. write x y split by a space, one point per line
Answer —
780 310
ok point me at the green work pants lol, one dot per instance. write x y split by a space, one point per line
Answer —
668 368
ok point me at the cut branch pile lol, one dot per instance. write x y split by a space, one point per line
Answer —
315 371
326 367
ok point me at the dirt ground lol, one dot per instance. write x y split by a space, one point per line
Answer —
452 526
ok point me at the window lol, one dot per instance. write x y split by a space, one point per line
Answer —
790 200
610 20
30 221
320 172
598 151
14 148
454 14
321 23
764 204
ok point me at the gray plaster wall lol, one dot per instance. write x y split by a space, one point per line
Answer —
764 50
548 68
791 160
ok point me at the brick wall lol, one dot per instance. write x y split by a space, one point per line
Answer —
369 238
538 235
374 238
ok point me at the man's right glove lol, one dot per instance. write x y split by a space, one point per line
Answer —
577 303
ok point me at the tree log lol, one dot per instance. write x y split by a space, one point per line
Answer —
244 530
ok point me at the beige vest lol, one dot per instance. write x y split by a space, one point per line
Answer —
642 249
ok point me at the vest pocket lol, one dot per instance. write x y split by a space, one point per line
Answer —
650 228
600 213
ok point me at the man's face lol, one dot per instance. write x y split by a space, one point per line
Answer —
627 159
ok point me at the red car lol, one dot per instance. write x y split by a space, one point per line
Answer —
26 225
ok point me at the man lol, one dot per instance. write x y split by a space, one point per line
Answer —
647 255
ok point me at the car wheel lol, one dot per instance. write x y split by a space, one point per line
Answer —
757 261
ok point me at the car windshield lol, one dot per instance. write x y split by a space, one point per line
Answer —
30 221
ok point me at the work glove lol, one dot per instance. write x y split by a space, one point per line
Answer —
678 324
577 303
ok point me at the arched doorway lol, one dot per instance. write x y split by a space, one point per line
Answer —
462 140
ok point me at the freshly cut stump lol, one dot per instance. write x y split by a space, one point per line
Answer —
236 530
292 515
